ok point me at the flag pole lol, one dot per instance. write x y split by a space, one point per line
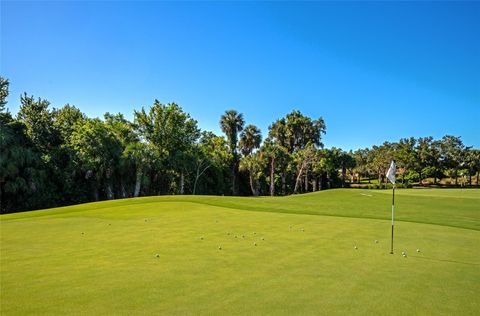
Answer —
393 213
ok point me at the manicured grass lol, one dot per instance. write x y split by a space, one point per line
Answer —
100 258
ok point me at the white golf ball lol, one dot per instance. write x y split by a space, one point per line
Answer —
376 241
355 247
418 250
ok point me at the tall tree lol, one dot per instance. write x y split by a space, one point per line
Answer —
452 148
344 161
301 130
171 133
250 139
253 164
302 159
38 121
212 164
379 159
22 172
277 158
99 152
429 157
406 156
231 124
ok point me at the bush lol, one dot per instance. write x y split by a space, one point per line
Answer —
412 176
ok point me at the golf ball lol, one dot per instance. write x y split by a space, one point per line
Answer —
355 247
157 255
418 250
376 241
219 248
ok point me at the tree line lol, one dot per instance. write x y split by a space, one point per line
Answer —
59 156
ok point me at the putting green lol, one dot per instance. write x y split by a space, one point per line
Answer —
100 258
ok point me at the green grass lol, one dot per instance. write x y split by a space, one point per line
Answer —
305 264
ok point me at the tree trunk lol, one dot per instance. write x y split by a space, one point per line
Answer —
272 177
456 181
306 180
138 182
198 175
298 180
110 195
314 184
251 184
95 192
284 183
195 183
108 188
234 178
122 188
182 183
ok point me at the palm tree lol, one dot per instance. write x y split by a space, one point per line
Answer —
250 139
276 155
232 123
253 164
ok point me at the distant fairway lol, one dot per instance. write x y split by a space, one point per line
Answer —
100 258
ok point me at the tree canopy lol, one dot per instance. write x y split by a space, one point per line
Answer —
59 156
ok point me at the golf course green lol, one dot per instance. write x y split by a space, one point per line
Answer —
319 253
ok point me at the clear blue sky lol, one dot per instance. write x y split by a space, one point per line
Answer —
374 71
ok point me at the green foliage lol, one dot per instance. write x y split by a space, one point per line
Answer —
411 176
38 121
61 157
22 176
3 93
250 139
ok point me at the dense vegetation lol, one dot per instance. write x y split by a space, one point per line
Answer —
52 157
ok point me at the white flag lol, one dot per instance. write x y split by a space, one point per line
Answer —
391 172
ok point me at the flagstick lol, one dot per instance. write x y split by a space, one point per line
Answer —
393 212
